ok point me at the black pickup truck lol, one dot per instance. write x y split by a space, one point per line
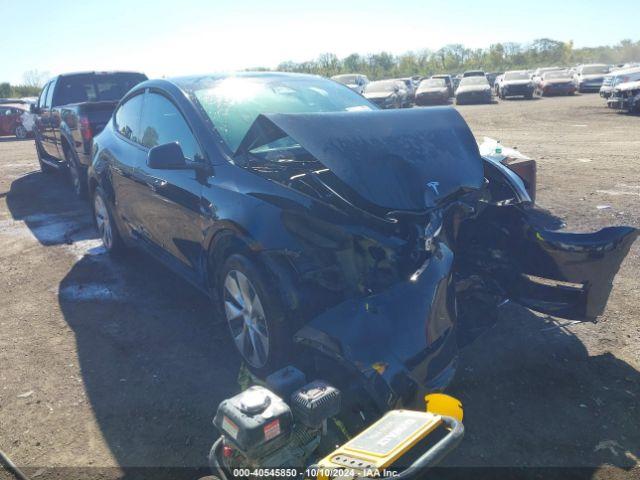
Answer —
71 110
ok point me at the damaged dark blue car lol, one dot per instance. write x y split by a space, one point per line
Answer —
365 244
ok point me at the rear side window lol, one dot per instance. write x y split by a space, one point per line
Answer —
107 87
127 118
163 123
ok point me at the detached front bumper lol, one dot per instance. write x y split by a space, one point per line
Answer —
589 86
404 336
431 99
517 91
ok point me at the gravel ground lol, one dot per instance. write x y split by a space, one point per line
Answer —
109 365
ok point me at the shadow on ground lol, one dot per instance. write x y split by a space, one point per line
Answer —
44 202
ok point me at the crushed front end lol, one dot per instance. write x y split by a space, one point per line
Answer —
407 242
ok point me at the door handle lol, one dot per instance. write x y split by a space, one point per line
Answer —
156 183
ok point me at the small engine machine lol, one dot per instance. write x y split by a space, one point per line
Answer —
262 430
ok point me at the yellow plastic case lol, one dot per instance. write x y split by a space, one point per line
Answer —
380 445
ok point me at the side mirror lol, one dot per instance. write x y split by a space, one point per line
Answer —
166 157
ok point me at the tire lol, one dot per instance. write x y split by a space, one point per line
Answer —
105 223
44 167
21 132
529 96
77 174
255 316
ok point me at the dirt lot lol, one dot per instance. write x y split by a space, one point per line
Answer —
109 363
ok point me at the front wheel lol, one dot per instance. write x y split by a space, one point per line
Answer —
255 315
106 224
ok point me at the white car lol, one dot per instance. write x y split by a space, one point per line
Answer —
354 81
626 96
589 78
617 77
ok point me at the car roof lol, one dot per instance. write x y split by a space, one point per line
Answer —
95 72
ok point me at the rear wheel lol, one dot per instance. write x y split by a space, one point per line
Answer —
21 132
105 224
254 315
77 174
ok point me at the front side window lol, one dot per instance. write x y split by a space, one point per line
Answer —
127 118
43 96
52 88
162 123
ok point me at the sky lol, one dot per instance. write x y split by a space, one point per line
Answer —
173 37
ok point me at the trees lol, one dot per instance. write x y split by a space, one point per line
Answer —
456 58
5 90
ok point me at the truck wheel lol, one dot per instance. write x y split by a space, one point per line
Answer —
21 132
255 315
44 167
106 225
77 174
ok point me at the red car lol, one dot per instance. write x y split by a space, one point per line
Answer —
11 121
555 83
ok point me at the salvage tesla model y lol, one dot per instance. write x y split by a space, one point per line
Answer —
379 240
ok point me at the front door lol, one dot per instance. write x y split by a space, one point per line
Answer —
168 205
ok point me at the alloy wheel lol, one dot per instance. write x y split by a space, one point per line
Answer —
103 221
246 318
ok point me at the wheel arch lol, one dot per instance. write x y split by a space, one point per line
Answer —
230 240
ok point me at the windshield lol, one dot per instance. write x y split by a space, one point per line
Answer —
473 81
516 76
382 86
233 103
559 74
433 83
595 69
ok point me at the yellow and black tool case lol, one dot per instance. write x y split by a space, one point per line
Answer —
400 444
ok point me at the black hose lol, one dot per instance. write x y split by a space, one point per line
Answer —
214 463
11 467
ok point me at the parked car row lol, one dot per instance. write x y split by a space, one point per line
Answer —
438 89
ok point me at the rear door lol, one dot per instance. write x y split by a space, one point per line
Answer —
126 157
568 275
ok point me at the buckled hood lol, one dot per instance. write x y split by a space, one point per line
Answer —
397 159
